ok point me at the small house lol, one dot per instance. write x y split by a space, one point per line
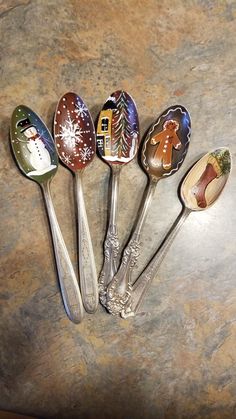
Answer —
104 132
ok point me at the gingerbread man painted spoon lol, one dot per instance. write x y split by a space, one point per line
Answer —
75 142
163 153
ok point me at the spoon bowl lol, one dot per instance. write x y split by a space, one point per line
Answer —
118 129
166 143
74 132
32 145
206 180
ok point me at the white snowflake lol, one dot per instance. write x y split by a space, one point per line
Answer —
86 154
80 109
71 133
66 158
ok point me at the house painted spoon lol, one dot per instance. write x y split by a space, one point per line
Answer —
163 153
36 156
117 144
200 188
75 142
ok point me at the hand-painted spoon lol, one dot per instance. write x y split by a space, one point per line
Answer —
199 190
75 142
163 153
36 156
117 144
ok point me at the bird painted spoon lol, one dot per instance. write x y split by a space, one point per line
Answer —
163 153
36 156
200 188
117 144
75 142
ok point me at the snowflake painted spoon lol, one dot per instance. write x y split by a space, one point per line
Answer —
36 156
163 153
117 144
200 188
75 141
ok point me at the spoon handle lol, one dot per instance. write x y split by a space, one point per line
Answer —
67 279
144 281
111 244
87 266
118 291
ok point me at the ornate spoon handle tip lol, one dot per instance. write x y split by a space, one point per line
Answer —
118 293
142 284
111 245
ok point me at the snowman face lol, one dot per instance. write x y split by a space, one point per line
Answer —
30 132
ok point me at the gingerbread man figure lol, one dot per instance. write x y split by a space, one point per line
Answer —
167 139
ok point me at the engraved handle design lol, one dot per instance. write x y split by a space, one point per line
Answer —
87 266
111 250
67 278
111 245
118 292
142 284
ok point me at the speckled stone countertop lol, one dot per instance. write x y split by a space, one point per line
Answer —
177 358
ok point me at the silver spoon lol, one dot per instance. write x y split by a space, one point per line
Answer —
117 144
200 189
76 144
36 156
163 153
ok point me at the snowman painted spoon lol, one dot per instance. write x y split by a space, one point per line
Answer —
75 141
117 144
163 153
36 156
200 188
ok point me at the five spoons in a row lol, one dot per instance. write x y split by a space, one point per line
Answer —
117 140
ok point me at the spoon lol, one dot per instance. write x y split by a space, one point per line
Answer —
199 190
163 153
117 144
36 156
76 145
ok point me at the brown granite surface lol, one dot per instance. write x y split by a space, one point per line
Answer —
177 359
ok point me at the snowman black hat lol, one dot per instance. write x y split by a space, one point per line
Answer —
24 124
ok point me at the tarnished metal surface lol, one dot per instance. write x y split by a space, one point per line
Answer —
177 359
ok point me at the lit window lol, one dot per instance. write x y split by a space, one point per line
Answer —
100 139
108 143
104 124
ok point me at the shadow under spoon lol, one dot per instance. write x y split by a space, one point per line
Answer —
199 190
163 153
36 156
117 144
